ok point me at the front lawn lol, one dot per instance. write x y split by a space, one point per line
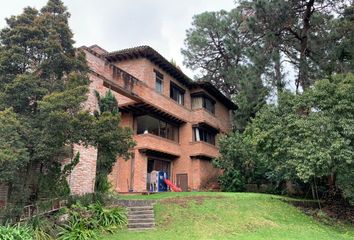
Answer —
231 216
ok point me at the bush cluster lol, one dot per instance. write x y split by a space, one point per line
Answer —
78 222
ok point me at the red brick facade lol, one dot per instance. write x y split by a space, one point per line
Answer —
131 75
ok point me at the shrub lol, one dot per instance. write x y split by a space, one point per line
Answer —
10 213
86 199
76 230
108 217
43 228
232 181
85 221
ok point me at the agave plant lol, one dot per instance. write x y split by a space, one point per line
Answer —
108 217
42 228
16 232
76 231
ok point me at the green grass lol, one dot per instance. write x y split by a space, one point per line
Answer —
231 216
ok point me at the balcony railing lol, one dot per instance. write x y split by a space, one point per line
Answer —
201 148
155 143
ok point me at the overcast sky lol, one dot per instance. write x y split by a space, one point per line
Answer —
118 24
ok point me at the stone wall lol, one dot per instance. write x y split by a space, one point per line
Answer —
82 178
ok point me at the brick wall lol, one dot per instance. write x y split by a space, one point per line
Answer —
133 172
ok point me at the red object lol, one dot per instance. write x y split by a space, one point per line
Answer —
172 186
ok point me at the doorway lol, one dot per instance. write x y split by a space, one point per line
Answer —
155 164
182 181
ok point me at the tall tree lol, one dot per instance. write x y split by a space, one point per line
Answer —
43 85
298 29
340 52
285 143
221 47
44 80
112 140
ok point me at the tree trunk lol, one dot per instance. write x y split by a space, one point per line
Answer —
303 78
278 76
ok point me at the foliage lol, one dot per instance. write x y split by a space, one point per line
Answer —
300 32
342 52
108 217
238 163
42 228
86 199
85 221
76 231
43 86
13 154
54 180
345 181
16 232
222 48
43 79
245 51
112 140
304 137
232 181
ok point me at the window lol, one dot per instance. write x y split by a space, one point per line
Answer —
209 104
148 124
201 100
177 93
204 135
159 82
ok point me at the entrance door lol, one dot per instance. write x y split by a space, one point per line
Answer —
182 181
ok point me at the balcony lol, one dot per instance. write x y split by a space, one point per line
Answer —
113 77
202 115
151 143
203 150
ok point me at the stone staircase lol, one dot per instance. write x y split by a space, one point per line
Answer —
140 214
141 217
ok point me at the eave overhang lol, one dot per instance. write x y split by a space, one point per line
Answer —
202 156
142 108
207 126
150 152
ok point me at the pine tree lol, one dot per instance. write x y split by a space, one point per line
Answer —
222 48
299 30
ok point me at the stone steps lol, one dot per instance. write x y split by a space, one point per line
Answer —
141 215
142 220
133 226
140 208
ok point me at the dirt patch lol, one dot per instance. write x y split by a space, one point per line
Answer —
184 201
328 212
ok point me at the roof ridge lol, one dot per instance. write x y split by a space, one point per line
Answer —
142 47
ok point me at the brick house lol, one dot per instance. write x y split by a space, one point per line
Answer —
175 120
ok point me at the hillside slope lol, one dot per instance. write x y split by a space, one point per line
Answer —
232 216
